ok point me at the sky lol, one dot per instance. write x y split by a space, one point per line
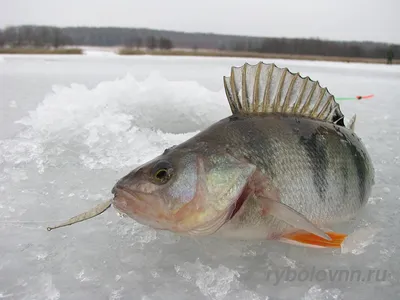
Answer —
358 20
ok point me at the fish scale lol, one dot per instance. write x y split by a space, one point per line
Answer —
292 160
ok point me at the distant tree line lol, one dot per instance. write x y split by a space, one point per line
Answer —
45 36
150 42
316 47
36 36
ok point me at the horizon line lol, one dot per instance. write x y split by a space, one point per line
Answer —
208 33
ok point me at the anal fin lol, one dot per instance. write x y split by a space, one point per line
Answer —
309 239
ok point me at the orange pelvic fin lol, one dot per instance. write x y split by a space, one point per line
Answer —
309 239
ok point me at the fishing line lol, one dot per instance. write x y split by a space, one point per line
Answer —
24 223
91 213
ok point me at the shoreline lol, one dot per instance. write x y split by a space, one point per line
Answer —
216 53
65 51
200 53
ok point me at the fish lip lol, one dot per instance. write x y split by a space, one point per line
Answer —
118 188
114 189
135 197
140 216
123 192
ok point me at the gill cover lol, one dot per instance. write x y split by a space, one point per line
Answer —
222 180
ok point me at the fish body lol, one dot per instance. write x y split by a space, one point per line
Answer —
283 166
321 170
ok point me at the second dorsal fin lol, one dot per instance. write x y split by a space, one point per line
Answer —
266 88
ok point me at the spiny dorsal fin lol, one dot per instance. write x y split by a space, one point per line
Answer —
266 88
352 123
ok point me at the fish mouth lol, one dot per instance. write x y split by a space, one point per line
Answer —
133 205
125 198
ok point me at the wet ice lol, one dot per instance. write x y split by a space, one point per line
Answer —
72 126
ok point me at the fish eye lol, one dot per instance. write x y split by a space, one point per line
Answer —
162 171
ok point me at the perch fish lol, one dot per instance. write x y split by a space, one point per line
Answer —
283 166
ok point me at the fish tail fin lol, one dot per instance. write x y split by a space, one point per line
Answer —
266 88
309 239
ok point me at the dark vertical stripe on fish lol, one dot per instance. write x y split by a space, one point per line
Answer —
316 151
361 170
345 173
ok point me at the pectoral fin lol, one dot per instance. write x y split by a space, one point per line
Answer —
291 216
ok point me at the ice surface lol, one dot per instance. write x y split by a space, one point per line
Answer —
94 51
72 126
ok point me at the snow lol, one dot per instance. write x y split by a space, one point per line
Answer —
99 51
71 126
